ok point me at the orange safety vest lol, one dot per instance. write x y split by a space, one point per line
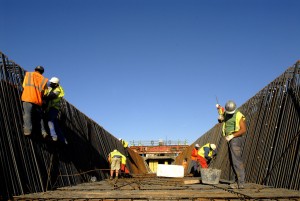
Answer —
33 86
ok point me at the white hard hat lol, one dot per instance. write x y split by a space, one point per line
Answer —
230 107
213 146
54 80
197 145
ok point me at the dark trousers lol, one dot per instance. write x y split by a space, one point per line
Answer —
235 150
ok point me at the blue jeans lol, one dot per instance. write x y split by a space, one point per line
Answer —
29 109
53 124
235 149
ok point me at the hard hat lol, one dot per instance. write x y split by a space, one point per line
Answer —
40 69
230 107
213 146
197 145
54 80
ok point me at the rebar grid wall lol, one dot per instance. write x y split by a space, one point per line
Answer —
271 149
34 164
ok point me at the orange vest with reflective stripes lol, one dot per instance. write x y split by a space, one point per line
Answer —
33 86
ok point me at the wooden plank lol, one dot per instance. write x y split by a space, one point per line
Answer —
192 181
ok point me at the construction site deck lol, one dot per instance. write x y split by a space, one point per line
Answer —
160 188
36 168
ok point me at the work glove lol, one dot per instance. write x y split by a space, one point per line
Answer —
229 137
221 117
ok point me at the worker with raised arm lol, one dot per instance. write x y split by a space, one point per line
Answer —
234 127
194 161
34 86
221 111
206 153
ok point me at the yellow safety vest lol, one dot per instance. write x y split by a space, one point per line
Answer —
238 116
124 143
55 103
116 153
201 151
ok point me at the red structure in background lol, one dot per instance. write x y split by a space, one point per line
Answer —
159 150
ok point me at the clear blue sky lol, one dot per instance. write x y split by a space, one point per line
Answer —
151 69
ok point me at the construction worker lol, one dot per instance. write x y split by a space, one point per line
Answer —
234 127
206 153
34 85
115 158
194 162
53 97
221 111
124 143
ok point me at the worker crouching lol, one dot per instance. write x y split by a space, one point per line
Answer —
205 154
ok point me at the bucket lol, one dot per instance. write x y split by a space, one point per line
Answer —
210 176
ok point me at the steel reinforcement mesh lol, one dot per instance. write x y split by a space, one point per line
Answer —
30 164
271 149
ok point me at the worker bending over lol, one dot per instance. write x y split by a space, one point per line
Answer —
115 158
206 153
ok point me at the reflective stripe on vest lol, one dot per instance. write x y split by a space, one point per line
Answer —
33 86
29 84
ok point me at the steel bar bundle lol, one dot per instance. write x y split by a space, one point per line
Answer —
30 164
271 149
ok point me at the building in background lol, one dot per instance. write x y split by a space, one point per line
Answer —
159 151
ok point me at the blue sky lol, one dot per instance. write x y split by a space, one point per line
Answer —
151 69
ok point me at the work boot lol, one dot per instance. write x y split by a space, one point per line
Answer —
110 177
234 186
27 131
44 133
54 138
